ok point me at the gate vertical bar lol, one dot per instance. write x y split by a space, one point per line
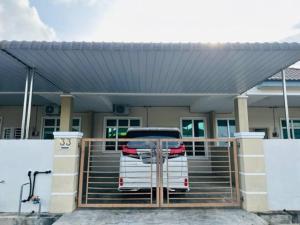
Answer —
81 169
236 172
157 174
167 162
161 174
230 169
151 180
88 172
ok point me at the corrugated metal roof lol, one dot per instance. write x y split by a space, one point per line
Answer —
43 45
144 67
292 74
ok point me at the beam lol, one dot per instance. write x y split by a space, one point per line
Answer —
11 55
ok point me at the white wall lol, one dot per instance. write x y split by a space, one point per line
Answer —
282 159
17 157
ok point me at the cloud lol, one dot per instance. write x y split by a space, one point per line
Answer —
87 2
293 38
20 21
193 21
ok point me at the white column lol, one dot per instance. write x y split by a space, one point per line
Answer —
286 107
31 71
24 107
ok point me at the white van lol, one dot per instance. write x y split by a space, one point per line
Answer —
138 161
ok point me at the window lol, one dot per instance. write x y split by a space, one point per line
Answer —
294 128
225 128
117 128
17 133
11 133
51 124
194 128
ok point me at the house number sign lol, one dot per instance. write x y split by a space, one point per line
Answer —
65 143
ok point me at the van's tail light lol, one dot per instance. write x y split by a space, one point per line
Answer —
129 151
186 182
121 181
177 151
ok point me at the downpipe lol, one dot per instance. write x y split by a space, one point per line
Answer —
31 197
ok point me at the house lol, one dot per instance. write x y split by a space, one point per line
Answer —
215 94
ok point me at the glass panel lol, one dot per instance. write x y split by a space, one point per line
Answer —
187 127
17 133
58 122
48 133
111 132
188 148
75 122
110 145
49 122
7 133
123 123
134 123
122 132
75 128
222 128
297 133
232 128
283 123
199 148
231 122
284 133
296 123
198 128
152 134
111 123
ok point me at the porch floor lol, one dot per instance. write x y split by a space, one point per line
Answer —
160 216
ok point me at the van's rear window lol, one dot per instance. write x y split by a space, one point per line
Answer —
153 134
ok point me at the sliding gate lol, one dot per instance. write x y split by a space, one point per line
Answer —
158 173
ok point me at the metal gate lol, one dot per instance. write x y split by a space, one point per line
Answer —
186 172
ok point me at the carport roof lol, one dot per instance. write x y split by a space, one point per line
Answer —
181 68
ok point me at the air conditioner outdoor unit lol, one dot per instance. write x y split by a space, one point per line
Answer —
121 109
52 110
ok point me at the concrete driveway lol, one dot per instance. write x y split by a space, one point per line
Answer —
160 216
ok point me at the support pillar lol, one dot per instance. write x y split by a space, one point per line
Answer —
66 113
212 124
286 105
24 107
252 173
27 104
241 113
65 172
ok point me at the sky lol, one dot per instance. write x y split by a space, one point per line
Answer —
151 20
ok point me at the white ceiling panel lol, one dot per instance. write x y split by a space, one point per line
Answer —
145 68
